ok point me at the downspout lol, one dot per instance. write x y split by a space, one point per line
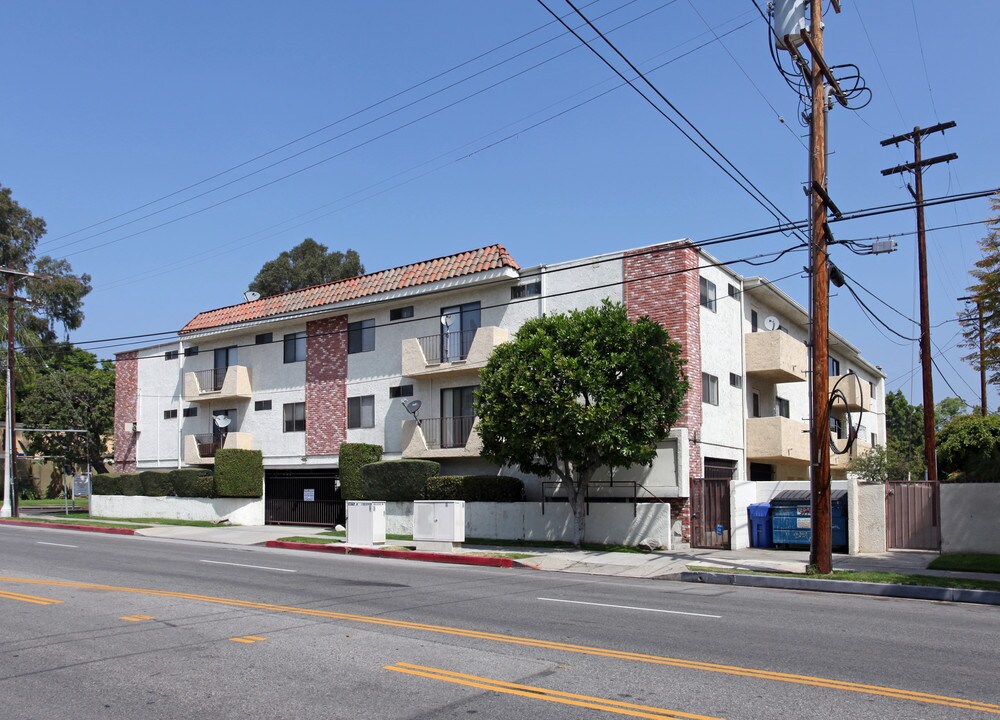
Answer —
542 305
180 398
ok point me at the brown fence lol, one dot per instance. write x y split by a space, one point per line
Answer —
911 512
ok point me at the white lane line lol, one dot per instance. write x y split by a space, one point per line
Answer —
255 567
630 607
39 542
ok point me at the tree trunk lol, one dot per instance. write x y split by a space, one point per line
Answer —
579 516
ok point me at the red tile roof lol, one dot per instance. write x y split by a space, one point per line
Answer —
421 273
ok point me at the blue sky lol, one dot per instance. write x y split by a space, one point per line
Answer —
110 106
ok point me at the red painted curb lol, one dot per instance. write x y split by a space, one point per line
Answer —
452 558
67 526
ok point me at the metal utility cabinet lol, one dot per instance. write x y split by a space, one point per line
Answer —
366 522
438 524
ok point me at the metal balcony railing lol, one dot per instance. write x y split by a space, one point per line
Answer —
209 444
447 346
211 380
447 432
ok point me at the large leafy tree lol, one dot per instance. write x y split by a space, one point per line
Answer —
986 291
71 391
573 393
904 425
969 449
308 263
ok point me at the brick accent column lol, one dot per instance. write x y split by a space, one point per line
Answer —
126 409
662 283
326 385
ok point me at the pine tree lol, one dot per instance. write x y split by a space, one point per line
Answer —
986 291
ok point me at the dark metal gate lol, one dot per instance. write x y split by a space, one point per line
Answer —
710 503
303 497
911 516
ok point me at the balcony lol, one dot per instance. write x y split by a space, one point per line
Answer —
855 390
231 383
776 357
841 462
449 437
450 352
777 440
201 449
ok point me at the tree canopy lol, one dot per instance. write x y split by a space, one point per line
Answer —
572 393
969 449
308 263
904 426
986 291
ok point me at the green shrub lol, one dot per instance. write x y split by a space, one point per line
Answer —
239 473
106 484
190 483
156 483
352 457
475 488
396 480
130 484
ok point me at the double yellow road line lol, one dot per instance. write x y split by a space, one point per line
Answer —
735 670
33 599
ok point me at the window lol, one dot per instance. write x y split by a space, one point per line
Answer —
169 414
191 411
836 428
709 389
263 339
193 350
755 408
761 472
361 336
874 439
262 405
781 407
708 294
834 366
295 347
170 355
295 417
733 291
458 414
401 391
361 411
735 380
459 324
753 321
871 389
526 290
401 313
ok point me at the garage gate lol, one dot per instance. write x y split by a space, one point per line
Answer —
303 497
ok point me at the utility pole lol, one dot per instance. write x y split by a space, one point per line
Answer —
982 355
917 166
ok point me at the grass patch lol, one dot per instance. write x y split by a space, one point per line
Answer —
55 502
81 521
313 539
170 521
389 536
880 578
555 544
967 562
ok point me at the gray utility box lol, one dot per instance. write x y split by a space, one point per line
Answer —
366 522
438 524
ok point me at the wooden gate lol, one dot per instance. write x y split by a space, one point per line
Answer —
710 505
911 516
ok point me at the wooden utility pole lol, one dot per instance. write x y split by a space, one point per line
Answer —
982 355
917 166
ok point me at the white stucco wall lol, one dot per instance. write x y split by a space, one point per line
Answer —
969 513
865 517
238 511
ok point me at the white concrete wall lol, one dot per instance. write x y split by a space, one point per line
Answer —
239 511
865 517
608 523
159 390
969 513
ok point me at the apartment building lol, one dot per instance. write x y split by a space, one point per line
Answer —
296 375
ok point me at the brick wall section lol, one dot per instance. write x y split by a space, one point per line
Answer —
326 385
662 283
126 409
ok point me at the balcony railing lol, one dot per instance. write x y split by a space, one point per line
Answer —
211 380
447 432
228 383
447 347
202 449
449 437
209 444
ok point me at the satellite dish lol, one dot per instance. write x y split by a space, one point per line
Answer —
771 323
250 295
222 421
412 406
447 320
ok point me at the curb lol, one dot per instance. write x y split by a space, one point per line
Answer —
910 592
67 526
452 558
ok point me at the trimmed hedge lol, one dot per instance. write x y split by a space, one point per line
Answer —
396 480
156 483
193 483
106 484
475 488
239 473
352 457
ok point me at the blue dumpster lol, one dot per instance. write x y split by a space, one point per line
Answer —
760 525
791 518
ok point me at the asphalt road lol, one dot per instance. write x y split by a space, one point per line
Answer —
101 626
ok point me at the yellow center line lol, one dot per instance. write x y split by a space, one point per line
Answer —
539 693
735 670
242 640
254 637
33 599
